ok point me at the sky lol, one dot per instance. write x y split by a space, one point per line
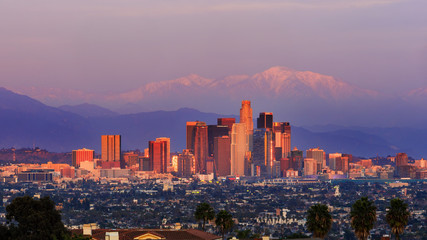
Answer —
114 46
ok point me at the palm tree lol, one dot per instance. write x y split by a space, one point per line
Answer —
224 222
319 220
204 212
363 216
397 216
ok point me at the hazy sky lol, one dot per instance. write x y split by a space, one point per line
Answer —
104 45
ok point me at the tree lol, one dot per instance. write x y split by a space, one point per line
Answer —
397 216
204 212
363 217
36 219
319 220
224 222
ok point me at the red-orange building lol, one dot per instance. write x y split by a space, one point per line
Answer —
158 156
82 155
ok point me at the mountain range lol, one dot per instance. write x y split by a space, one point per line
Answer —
26 122
302 97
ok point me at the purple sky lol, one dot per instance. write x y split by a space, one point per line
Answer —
104 45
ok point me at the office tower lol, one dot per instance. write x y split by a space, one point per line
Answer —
190 135
318 155
158 156
297 160
401 159
239 147
246 117
222 155
333 160
197 142
341 164
213 132
286 140
265 120
111 148
310 166
129 159
82 155
168 148
226 122
401 162
186 163
144 164
200 143
263 150
284 165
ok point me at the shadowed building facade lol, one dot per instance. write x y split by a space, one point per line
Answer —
226 122
222 156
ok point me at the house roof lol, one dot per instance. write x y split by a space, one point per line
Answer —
164 234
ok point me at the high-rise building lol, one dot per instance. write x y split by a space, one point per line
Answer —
111 148
333 160
297 160
197 142
401 159
222 155
318 155
341 164
186 163
263 150
310 166
213 132
226 122
129 159
265 120
190 135
401 163
168 148
82 155
239 147
246 117
158 156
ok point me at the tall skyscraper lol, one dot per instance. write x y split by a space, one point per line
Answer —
213 132
222 155
265 120
190 135
158 156
197 142
226 122
246 117
318 155
111 148
239 147
168 148
263 150
82 155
